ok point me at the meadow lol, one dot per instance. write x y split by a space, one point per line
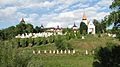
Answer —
68 60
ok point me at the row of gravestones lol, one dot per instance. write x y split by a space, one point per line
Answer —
59 52
55 52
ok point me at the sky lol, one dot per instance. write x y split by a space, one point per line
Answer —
51 13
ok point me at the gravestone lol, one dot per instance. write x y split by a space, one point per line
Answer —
39 52
68 51
65 51
45 51
83 37
33 52
57 51
53 51
61 51
86 52
50 51
73 51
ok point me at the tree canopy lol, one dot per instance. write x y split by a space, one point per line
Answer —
12 31
83 28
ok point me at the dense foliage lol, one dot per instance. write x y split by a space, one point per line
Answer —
13 31
11 56
99 26
83 28
107 56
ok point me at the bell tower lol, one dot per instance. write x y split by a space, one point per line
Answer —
84 19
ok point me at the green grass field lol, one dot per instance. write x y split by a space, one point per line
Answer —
65 60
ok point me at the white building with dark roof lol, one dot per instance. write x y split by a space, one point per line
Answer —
90 25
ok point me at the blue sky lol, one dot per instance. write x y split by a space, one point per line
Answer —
51 13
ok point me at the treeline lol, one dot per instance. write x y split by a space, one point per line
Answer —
21 28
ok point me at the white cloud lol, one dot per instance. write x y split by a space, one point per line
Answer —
61 7
66 15
63 18
45 4
80 5
7 1
54 24
104 3
10 14
67 2
8 11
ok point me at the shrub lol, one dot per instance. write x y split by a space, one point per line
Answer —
13 57
107 56
60 43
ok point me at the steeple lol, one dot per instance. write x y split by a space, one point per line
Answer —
74 25
84 19
84 16
74 28
22 20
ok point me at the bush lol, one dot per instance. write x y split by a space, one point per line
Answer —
107 56
60 43
13 57
45 41
51 39
69 46
38 41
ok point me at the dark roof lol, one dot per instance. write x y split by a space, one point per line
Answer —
42 26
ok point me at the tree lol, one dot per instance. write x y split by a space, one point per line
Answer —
78 34
100 27
24 28
83 28
29 28
115 17
107 57
37 29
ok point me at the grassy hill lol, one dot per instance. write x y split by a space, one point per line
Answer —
89 43
77 60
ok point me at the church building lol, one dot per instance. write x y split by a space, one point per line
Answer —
90 25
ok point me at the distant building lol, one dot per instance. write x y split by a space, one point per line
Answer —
90 25
75 28
56 31
91 28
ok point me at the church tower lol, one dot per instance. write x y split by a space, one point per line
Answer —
22 21
74 28
84 19
90 25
